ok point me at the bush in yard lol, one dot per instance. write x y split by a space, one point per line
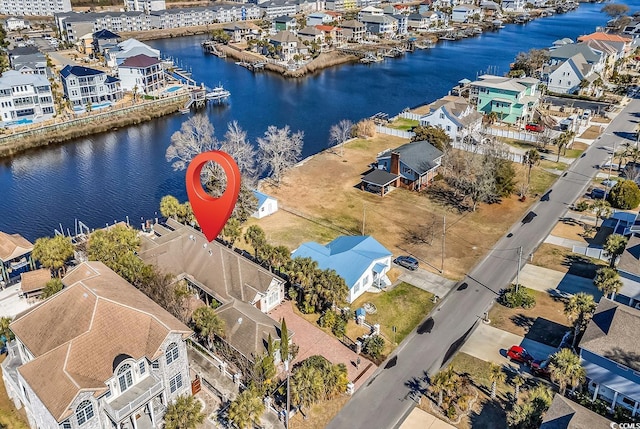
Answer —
373 346
328 319
582 206
339 328
522 297
624 195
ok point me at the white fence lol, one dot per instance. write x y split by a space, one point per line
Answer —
479 148
393 132
409 115
592 252
511 134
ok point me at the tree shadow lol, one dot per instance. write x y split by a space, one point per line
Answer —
625 357
580 266
490 416
547 331
445 196
523 321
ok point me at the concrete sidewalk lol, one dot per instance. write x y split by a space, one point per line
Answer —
419 419
564 242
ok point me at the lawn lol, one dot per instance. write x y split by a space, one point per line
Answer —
10 418
320 200
404 307
319 415
562 259
404 124
545 323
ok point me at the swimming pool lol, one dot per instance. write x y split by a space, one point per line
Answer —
173 89
23 121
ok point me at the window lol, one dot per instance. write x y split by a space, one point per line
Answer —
175 383
143 367
65 425
125 377
628 401
84 412
172 353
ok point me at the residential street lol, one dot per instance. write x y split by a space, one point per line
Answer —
387 398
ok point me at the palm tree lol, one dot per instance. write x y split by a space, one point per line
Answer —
208 323
601 208
518 381
579 310
246 409
307 386
607 280
444 382
5 331
184 413
531 158
565 369
496 374
231 231
302 271
256 238
614 247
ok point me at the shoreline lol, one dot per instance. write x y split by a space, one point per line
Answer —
18 142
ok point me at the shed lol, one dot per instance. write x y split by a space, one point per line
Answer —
267 205
33 282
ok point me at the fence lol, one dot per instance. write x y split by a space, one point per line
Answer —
480 149
410 115
511 134
592 252
393 132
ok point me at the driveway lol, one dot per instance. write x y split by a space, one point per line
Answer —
426 280
419 419
313 341
491 344
546 280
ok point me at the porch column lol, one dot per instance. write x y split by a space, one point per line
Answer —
151 413
635 410
595 393
613 403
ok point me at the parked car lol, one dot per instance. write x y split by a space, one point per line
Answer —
598 194
519 354
534 128
566 124
407 262
586 114
540 368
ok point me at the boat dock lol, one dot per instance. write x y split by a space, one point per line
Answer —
210 47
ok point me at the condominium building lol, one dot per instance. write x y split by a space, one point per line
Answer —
34 7
145 5
24 98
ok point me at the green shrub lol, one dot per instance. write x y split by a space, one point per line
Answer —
451 412
582 206
624 195
328 319
339 328
373 346
522 298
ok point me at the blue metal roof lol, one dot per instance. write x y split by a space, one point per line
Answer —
349 256
262 198
79 71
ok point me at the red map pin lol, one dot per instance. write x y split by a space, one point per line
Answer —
212 213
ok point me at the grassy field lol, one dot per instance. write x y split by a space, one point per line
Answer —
321 200
545 323
404 124
10 418
320 414
562 259
404 307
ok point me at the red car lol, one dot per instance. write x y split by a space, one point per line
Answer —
519 354
535 128
540 368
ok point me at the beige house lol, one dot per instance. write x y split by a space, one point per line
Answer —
99 354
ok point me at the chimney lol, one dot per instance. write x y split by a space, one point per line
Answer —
395 163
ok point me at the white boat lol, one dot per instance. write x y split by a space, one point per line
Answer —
218 93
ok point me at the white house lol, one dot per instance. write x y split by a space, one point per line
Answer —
565 78
86 86
14 23
127 49
513 5
466 13
141 74
360 260
319 18
24 98
98 354
266 205
287 43
455 115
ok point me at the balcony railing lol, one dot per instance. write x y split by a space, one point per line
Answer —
121 407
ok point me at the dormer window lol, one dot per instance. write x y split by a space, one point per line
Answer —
84 412
125 377
172 353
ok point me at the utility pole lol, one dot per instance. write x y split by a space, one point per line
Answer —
518 272
444 231
364 214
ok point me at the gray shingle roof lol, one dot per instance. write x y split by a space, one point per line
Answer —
566 414
612 333
567 51
630 259
419 156
379 177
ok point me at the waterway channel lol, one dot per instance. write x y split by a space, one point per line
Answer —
107 177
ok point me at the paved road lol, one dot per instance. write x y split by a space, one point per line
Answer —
595 106
388 397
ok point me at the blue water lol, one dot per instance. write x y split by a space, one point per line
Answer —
173 89
22 121
106 177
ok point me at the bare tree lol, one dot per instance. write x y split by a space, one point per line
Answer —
340 133
235 143
195 136
280 150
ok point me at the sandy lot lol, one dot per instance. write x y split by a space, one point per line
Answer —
320 200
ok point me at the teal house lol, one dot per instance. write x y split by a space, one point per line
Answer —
512 99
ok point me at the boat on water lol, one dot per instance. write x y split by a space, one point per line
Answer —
185 111
218 94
